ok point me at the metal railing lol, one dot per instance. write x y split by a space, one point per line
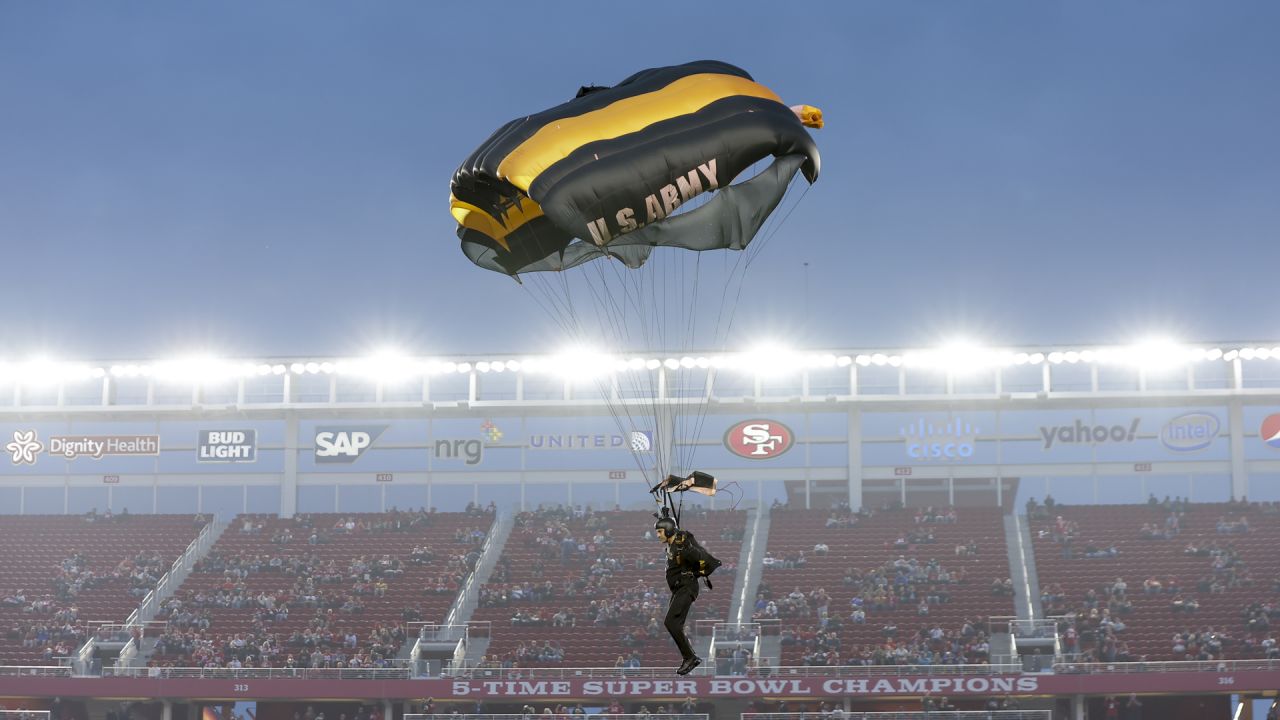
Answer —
400 672
460 635
732 636
25 714
402 669
1042 628
177 573
906 715
1216 666
785 671
36 671
465 596
531 715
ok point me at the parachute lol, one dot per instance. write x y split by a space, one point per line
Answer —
629 173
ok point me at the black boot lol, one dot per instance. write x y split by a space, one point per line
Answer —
688 665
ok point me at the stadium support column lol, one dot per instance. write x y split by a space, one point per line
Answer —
289 482
1239 478
855 459
665 442
166 710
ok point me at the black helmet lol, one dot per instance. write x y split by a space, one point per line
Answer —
665 522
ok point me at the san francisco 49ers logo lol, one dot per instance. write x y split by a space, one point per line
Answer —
759 439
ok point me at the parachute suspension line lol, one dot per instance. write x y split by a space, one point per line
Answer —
565 313
611 321
656 308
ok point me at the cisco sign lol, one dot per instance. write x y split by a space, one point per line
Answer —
1190 432
952 439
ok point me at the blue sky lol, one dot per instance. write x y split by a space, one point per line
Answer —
272 178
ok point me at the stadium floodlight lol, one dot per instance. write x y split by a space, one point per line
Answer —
42 372
514 365
863 360
278 369
652 364
581 363
703 362
961 357
386 366
769 360
1035 358
879 359
687 362
1230 355
1153 355
844 361
198 370
482 366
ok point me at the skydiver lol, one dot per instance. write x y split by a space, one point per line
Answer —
686 561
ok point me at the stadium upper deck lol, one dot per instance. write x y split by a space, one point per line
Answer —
957 425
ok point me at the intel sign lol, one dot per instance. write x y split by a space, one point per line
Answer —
1193 431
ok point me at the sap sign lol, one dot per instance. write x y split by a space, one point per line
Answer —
345 444
1190 432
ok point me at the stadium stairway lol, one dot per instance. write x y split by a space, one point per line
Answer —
469 596
1026 589
751 560
130 652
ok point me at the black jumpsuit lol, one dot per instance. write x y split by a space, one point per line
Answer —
682 579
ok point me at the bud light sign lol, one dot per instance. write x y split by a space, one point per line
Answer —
227 446
1190 432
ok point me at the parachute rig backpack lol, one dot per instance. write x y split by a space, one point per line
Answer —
707 563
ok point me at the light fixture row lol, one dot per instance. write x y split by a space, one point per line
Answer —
582 364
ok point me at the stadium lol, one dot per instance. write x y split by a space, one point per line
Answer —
977 532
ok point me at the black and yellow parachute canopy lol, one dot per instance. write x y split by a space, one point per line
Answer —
605 173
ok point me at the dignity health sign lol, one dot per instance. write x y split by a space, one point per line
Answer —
27 445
